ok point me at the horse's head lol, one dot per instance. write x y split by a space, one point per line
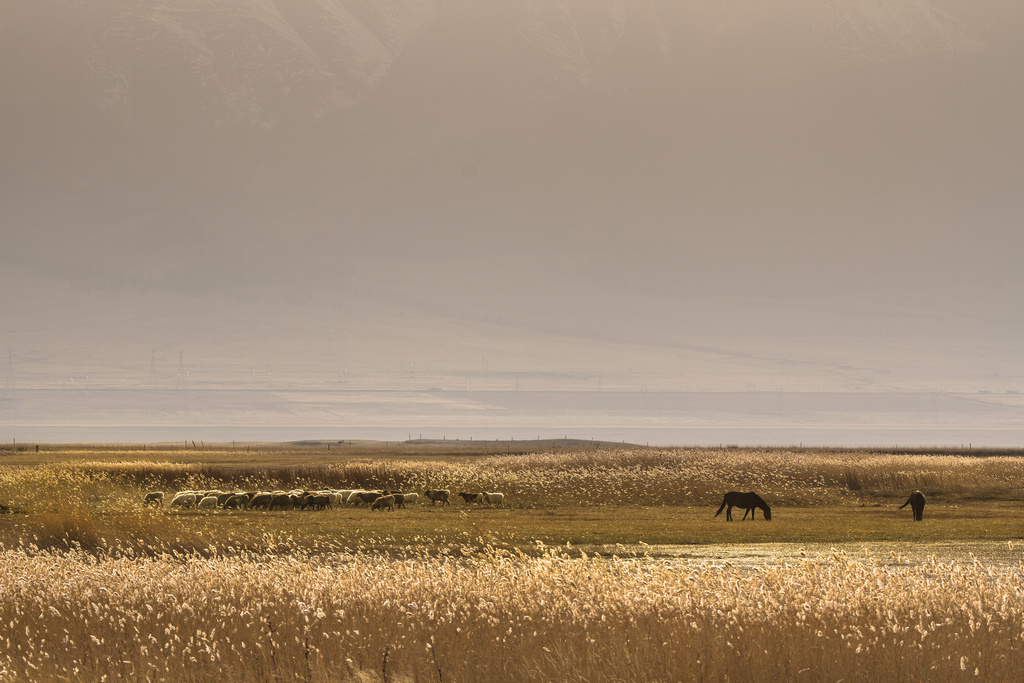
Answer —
767 513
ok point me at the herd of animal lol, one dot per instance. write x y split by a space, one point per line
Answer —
383 499
322 499
751 503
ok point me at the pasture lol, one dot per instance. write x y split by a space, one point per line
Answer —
601 564
91 497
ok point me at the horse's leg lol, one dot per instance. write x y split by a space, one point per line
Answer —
728 514
746 511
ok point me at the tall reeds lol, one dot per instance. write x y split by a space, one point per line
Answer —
651 476
506 617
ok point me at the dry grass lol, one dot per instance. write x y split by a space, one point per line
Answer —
585 497
92 585
75 616
592 477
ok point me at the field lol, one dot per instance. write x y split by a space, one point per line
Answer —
605 563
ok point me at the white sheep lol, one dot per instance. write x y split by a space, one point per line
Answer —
494 499
183 500
208 503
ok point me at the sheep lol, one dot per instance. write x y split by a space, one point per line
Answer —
282 501
343 495
316 501
237 501
384 502
470 497
208 503
410 498
495 499
154 498
183 500
437 495
399 499
364 497
261 501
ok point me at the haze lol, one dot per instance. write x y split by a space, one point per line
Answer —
662 222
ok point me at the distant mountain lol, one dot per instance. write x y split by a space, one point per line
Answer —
251 61
683 148
265 62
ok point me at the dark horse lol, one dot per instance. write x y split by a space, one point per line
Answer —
748 501
916 503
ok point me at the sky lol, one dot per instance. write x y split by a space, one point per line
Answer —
326 218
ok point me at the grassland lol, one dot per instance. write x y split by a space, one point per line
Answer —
89 497
605 564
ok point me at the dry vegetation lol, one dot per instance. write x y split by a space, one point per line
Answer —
69 616
584 497
93 585
592 477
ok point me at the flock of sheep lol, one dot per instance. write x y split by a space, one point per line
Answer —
323 499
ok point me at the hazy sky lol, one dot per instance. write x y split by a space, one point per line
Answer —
792 195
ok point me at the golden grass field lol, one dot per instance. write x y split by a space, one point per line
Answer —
605 564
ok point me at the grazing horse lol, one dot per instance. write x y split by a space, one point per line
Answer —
748 501
916 503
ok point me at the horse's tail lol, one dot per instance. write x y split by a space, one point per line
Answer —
905 504
721 508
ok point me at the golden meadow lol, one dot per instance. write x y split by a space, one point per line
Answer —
569 582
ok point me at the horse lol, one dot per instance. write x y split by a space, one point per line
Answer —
748 501
916 503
